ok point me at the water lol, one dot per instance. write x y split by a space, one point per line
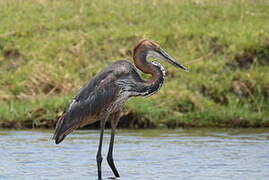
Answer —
139 155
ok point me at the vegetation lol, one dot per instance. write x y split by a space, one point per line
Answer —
49 49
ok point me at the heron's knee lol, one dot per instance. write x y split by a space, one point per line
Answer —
110 159
99 158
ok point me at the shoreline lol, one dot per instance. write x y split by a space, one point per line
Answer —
131 124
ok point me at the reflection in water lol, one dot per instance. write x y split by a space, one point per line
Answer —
139 154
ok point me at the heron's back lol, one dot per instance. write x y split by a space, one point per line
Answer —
99 95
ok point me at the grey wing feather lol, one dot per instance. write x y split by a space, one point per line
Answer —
94 98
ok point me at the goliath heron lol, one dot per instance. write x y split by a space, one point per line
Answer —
103 96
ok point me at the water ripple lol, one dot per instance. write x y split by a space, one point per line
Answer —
139 154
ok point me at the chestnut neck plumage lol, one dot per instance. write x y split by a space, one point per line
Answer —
153 68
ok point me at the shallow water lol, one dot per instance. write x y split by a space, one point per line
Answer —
139 154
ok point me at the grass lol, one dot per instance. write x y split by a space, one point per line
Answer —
49 49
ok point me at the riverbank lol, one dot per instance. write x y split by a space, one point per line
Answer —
49 49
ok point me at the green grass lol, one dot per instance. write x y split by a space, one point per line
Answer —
49 49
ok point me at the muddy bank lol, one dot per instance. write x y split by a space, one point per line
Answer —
133 121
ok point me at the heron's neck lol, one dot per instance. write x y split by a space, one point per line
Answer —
155 69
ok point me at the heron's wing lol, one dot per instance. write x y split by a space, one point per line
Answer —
92 100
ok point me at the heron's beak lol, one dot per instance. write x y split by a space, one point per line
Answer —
171 60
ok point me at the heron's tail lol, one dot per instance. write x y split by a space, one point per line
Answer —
58 134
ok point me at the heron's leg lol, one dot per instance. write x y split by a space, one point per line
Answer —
114 122
110 154
99 152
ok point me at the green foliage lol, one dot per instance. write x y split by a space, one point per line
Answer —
49 49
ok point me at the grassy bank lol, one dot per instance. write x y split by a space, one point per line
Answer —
49 49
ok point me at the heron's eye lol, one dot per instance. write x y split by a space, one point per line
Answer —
158 50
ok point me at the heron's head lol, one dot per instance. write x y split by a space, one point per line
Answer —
155 51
